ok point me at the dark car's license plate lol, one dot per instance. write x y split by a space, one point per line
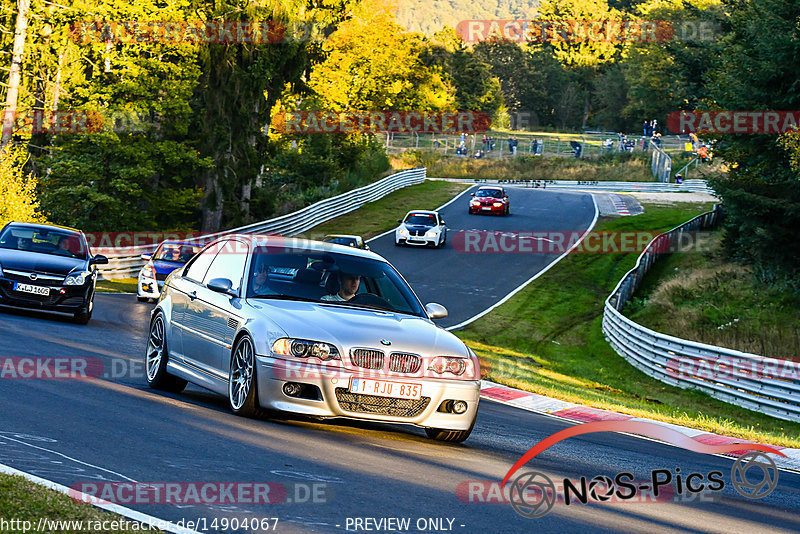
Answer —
34 290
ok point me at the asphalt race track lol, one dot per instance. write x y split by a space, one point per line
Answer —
467 283
339 474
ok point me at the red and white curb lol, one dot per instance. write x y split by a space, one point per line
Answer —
620 205
570 411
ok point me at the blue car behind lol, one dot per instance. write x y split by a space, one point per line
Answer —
169 255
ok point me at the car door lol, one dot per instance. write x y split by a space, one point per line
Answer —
182 290
215 317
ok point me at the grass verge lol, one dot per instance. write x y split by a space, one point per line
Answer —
22 500
377 217
118 285
631 167
701 296
548 339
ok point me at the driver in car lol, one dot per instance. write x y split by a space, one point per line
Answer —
260 279
348 287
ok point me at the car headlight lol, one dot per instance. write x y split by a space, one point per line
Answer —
77 279
148 271
431 233
403 231
303 348
497 204
475 203
447 364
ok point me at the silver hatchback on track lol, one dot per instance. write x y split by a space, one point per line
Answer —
311 328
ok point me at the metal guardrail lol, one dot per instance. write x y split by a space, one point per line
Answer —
126 262
660 163
731 376
690 186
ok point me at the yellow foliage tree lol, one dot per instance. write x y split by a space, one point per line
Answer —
18 200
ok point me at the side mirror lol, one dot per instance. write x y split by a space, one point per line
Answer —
366 247
400 220
99 260
222 285
146 257
435 311
506 197
443 223
473 194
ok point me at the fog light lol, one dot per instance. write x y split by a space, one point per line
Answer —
292 389
459 407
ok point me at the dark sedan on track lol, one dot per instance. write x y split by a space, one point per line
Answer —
49 268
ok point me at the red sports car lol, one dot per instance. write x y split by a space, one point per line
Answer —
489 199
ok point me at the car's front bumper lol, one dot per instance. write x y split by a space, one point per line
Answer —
420 241
149 288
490 210
63 299
273 373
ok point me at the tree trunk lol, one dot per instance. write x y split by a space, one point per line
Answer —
23 6
585 111
57 88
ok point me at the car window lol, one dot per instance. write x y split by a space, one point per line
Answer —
428 219
199 266
176 253
45 241
229 263
494 193
319 276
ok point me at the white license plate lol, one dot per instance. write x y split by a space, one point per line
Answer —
386 388
487 208
27 288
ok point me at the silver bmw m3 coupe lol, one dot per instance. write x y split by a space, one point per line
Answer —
311 328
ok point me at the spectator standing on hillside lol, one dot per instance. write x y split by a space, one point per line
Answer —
646 128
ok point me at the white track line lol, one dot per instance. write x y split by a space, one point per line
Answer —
534 277
154 522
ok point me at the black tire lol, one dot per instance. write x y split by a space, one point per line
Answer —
242 383
82 317
142 299
156 357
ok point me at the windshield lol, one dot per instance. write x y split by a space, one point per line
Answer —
494 193
349 241
341 279
426 219
176 253
44 241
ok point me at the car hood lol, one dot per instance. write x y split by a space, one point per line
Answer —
24 260
417 227
348 327
484 199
